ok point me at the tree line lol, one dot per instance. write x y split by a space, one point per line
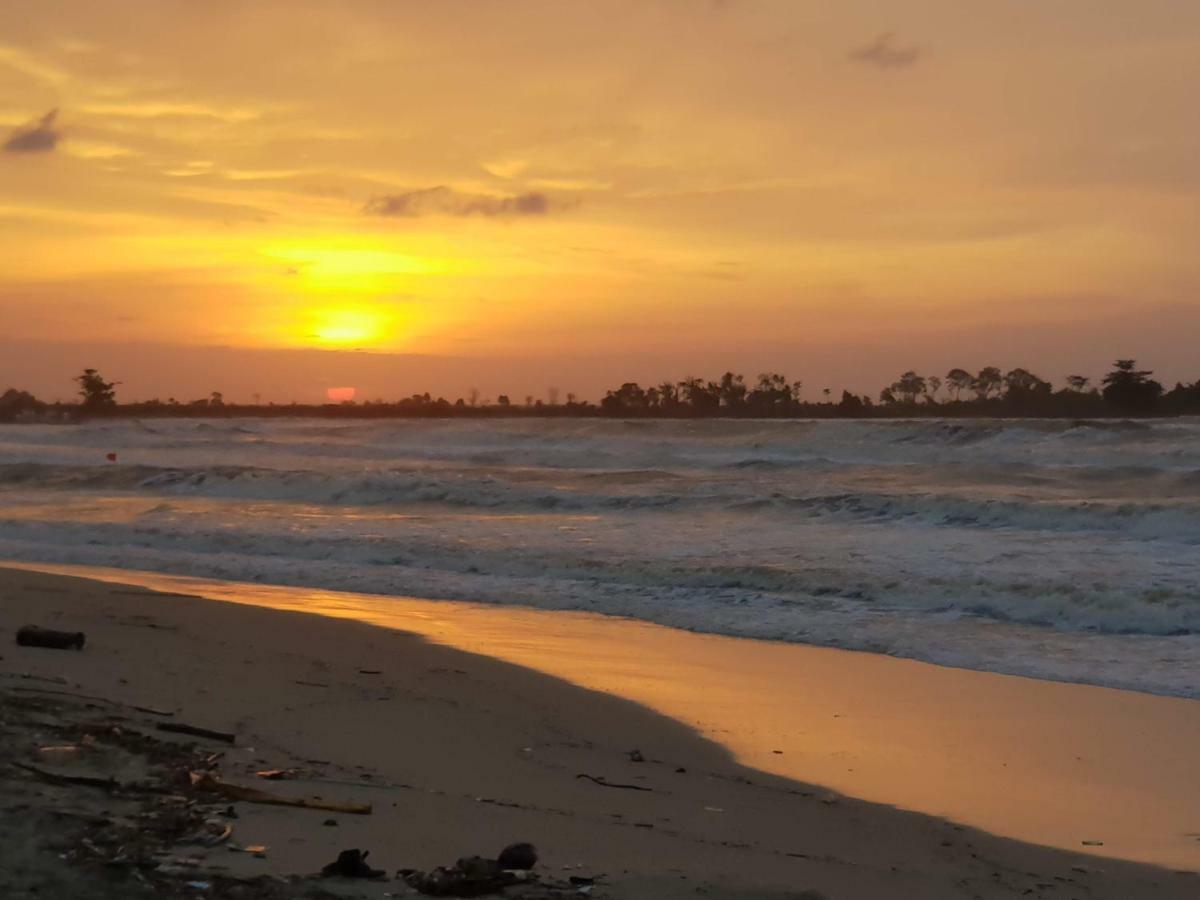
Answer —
1125 391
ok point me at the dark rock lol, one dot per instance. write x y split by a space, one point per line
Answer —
518 856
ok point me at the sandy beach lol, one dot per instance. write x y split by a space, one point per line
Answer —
460 753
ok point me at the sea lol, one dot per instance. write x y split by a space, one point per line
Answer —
1045 548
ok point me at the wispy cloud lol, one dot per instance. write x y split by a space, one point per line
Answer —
445 201
886 53
38 136
163 110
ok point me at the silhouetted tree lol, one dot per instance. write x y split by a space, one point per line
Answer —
732 390
933 384
1131 390
14 404
1078 383
1023 388
908 387
959 380
771 395
702 397
668 396
851 405
987 381
628 398
97 393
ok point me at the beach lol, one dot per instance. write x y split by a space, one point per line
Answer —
460 753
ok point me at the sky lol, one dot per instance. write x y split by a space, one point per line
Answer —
275 198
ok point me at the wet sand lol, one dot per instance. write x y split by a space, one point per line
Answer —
461 752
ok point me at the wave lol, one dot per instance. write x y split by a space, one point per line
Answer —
1175 515
934 539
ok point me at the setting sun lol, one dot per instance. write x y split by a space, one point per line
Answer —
354 327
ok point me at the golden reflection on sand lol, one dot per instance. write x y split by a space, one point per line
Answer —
1050 763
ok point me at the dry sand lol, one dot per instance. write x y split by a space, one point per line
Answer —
460 753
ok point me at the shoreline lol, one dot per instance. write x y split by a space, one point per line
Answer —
617 663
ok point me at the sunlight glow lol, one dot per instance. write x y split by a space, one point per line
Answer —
348 327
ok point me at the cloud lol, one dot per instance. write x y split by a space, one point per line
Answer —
445 201
38 136
885 53
159 110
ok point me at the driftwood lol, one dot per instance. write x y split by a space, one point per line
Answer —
38 690
612 784
107 784
184 728
33 636
209 784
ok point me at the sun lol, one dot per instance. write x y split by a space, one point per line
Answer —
347 327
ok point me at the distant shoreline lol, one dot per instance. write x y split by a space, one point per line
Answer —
1127 391
70 414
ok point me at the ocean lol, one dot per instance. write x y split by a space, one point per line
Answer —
1053 549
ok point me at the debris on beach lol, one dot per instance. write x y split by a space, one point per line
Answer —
472 876
278 774
224 737
510 874
34 636
204 781
518 856
604 782
352 864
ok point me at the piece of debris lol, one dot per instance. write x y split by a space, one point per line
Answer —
471 877
603 782
153 711
33 636
107 784
278 774
192 730
214 832
636 756
202 781
351 864
521 856
1093 843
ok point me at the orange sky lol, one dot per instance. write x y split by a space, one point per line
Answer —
537 193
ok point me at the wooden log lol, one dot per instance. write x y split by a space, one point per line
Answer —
33 636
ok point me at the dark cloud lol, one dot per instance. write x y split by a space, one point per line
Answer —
445 201
38 136
885 53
